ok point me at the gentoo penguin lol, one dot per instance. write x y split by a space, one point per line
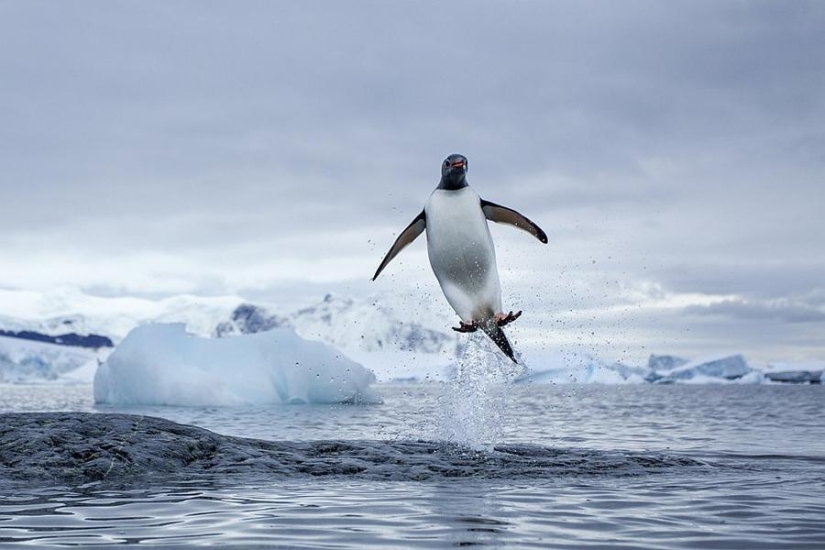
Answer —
461 250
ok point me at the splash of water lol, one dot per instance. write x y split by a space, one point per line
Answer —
473 404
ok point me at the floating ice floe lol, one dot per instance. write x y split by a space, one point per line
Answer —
160 364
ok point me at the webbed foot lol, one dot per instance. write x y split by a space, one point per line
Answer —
503 320
466 327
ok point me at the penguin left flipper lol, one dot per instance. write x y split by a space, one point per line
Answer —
501 214
410 233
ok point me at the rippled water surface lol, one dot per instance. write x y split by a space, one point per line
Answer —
572 467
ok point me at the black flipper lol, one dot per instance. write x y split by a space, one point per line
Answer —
497 335
410 233
501 214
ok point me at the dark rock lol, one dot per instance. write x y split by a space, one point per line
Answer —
48 448
249 319
89 446
91 341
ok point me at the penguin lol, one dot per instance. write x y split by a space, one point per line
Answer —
461 251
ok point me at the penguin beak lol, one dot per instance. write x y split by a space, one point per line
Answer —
457 164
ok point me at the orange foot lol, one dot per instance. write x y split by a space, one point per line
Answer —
502 319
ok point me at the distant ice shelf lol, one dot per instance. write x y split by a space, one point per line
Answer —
666 369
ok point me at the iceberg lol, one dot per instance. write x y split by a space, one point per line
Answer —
665 362
161 364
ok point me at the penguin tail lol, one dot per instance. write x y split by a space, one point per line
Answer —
498 337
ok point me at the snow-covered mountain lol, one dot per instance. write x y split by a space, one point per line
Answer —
374 332
68 331
371 325
249 319
368 330
368 324
345 323
27 361
66 310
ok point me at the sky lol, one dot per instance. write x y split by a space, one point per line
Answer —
674 152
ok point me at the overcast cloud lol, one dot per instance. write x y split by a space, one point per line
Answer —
673 151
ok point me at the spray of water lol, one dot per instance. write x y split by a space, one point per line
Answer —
473 403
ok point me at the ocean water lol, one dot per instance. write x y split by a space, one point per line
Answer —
639 466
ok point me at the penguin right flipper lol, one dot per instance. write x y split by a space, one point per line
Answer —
412 231
501 214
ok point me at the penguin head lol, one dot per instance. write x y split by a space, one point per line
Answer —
454 172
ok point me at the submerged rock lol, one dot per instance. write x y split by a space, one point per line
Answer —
43 448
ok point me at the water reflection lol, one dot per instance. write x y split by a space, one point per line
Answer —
470 513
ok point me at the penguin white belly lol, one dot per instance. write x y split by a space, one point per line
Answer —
461 253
